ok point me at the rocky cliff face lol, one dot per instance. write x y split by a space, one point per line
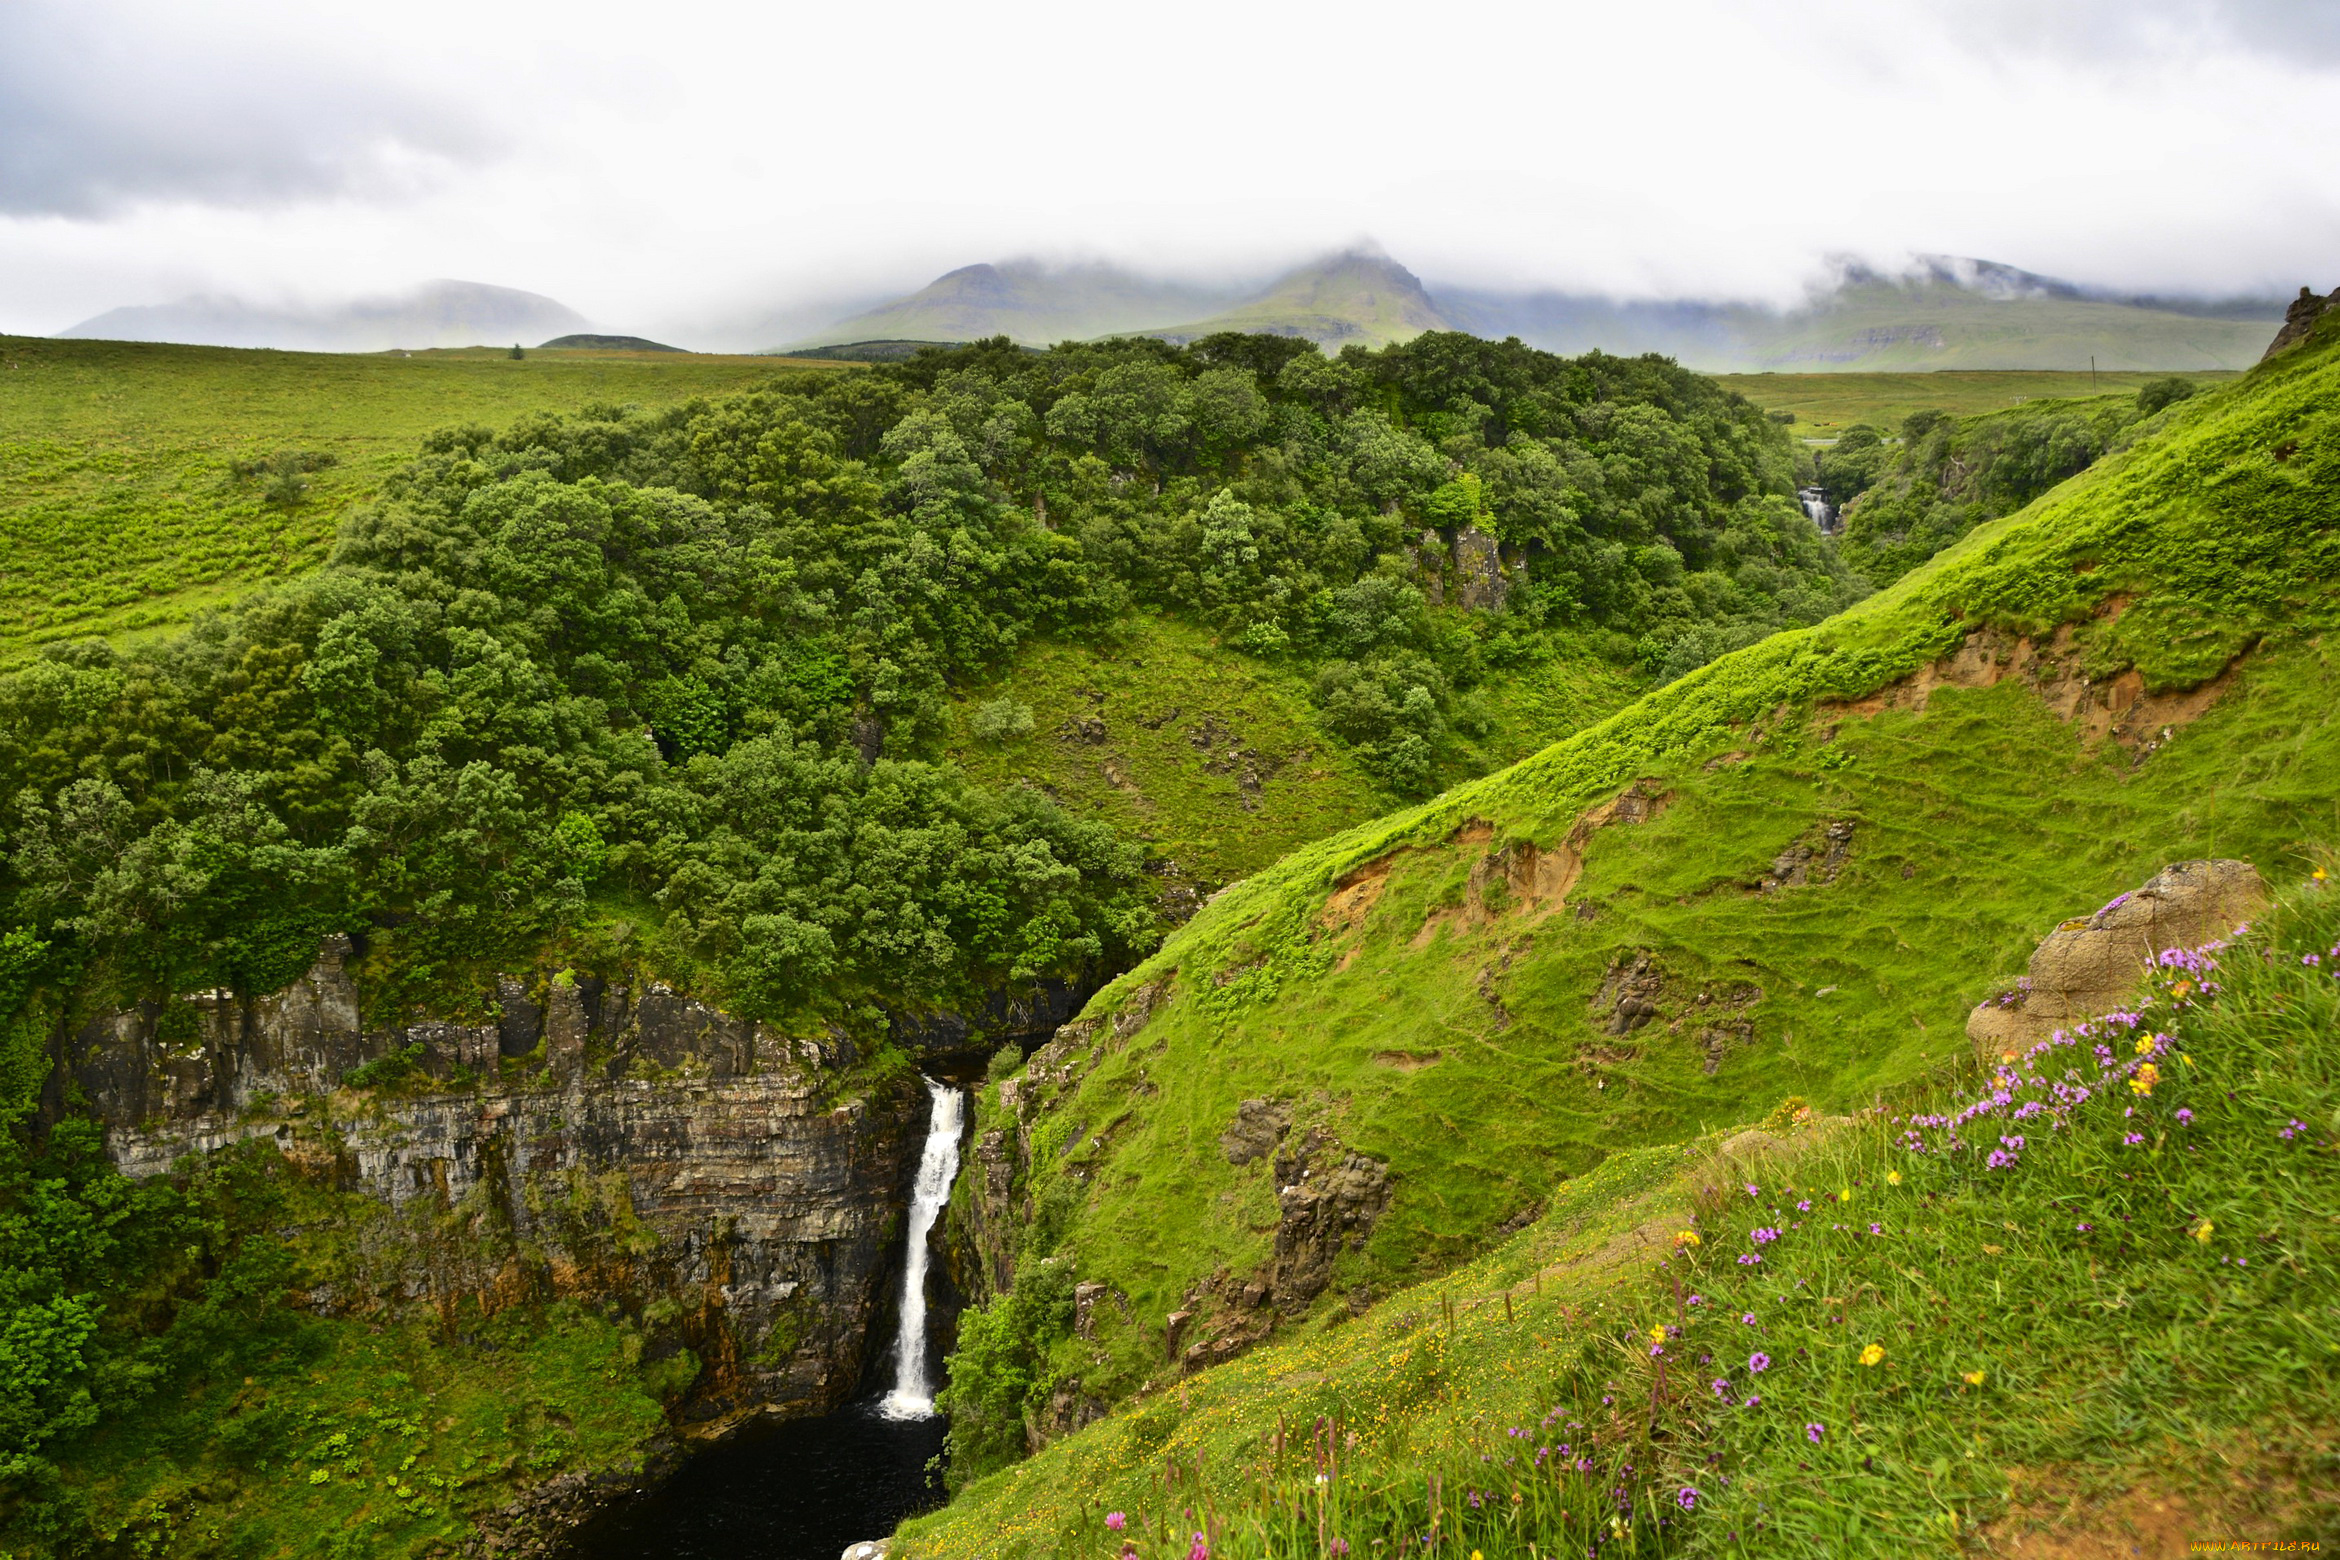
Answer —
730 1185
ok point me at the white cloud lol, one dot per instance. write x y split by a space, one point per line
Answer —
667 169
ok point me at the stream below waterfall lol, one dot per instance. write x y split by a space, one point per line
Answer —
804 1489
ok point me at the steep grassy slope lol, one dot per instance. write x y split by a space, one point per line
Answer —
122 504
1219 760
1813 1340
1791 872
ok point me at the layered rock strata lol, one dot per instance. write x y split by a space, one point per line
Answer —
736 1186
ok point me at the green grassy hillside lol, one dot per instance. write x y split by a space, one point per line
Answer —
1216 760
2114 1338
140 483
1789 873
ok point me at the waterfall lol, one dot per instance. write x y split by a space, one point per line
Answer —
1817 507
938 1164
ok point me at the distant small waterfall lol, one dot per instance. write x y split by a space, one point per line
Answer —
1817 507
938 1165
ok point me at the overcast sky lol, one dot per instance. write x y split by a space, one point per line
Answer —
677 167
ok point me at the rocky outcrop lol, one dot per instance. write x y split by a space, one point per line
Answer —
2094 964
1328 1199
2299 321
735 1190
1258 1127
1480 585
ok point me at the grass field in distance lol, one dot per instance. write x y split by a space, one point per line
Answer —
120 505
1827 404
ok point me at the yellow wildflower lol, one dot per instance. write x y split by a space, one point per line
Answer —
1872 1354
1974 1378
1844 1196
2145 1045
1657 1334
1892 1178
1686 1238
2147 1076
2203 1233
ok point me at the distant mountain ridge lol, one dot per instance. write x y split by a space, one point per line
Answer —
1035 304
437 314
1936 311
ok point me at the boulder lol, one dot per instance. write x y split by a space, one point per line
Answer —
2093 964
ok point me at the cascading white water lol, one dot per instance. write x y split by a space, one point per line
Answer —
1817 507
938 1165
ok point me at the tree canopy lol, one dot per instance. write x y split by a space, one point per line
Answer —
700 658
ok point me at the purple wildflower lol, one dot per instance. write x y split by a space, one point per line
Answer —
1687 1498
1759 1361
1115 1521
1813 1433
2185 1118
1748 1318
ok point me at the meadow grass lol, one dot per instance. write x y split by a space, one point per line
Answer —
121 502
1863 1336
1827 404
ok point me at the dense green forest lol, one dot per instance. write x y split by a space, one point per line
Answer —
696 661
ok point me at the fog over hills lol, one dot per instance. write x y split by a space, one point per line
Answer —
436 314
1935 311
1031 302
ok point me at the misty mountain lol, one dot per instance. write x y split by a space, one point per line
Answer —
1358 296
1938 311
436 314
1034 303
